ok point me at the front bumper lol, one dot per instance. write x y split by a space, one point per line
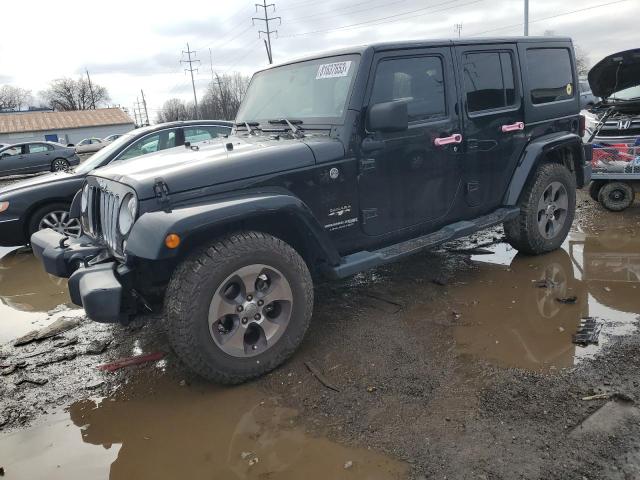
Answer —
97 288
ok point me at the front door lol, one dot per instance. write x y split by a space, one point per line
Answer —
493 128
409 181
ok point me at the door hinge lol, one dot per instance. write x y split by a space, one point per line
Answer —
367 164
161 190
369 214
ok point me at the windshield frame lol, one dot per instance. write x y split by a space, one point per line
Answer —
307 122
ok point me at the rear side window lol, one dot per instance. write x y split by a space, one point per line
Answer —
199 134
550 75
488 81
418 81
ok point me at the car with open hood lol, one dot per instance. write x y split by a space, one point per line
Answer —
338 163
616 118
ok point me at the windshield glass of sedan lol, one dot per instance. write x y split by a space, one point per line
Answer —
314 91
97 158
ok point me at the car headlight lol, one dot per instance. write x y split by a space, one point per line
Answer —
127 214
590 122
84 199
4 206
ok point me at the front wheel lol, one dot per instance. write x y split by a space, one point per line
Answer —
240 307
547 207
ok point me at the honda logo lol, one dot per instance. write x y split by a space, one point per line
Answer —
624 124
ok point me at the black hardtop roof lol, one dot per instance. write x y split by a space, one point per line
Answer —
415 44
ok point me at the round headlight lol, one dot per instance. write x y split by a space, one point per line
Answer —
127 214
84 199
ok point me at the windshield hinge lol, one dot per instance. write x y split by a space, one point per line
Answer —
161 189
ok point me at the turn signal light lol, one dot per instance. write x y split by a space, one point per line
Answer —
172 240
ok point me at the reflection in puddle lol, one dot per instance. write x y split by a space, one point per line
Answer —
174 432
508 319
26 293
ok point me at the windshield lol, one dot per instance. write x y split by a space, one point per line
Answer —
631 93
315 91
97 158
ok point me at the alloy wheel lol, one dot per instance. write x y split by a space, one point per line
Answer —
552 210
59 221
60 165
250 311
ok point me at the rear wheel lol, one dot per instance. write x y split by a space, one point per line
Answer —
240 307
59 165
616 196
56 217
547 207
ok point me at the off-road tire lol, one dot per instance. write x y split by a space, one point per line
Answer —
192 287
522 232
616 196
594 189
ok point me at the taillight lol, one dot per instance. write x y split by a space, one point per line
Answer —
582 127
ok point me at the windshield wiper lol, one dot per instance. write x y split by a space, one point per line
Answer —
295 130
248 126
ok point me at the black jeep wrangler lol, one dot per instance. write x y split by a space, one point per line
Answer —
338 163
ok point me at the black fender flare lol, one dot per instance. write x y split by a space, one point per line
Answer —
147 237
536 150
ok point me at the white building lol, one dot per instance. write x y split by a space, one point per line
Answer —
63 127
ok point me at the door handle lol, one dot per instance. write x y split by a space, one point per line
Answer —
455 138
514 127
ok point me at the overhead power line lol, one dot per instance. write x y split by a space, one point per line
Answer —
592 7
266 19
389 18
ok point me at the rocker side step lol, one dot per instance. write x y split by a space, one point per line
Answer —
360 261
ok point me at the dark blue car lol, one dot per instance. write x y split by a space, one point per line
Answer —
35 157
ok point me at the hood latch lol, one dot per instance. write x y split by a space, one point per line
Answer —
161 189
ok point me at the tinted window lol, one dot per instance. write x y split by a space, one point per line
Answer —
550 74
38 147
199 134
150 144
418 81
488 80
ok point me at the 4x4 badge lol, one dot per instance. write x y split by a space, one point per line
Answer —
334 173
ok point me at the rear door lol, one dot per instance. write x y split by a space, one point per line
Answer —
493 116
410 181
39 156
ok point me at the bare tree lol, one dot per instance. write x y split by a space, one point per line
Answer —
175 109
582 61
14 98
223 97
66 94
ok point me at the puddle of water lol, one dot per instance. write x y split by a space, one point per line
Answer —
169 431
27 293
509 321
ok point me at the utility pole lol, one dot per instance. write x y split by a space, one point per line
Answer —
268 32
135 115
93 98
144 104
458 28
191 61
526 18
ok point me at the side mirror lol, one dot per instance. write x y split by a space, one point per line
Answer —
388 117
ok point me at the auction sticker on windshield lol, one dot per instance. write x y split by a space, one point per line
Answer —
333 70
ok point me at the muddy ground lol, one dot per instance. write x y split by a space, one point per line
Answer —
452 364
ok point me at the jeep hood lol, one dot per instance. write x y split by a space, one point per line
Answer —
220 161
615 73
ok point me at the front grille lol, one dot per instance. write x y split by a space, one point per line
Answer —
103 206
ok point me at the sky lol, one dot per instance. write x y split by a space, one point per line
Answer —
129 46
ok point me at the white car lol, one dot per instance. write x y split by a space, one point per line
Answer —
111 138
90 145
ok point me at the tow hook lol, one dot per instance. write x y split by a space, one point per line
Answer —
62 244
